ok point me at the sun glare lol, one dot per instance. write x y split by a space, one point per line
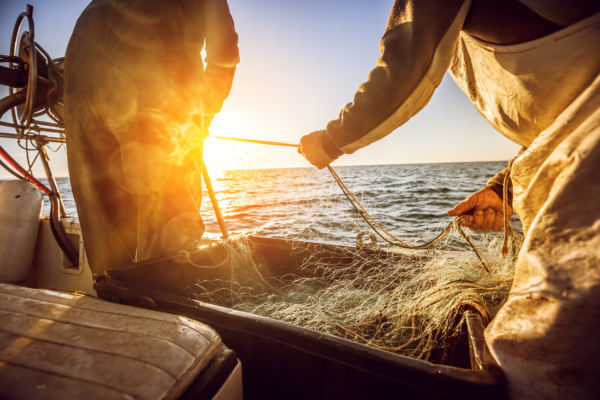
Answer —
222 155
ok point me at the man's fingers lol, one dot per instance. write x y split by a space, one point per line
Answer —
488 220
312 149
484 220
486 209
498 222
478 215
461 208
467 221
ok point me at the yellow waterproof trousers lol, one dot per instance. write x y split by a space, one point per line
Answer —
545 95
138 102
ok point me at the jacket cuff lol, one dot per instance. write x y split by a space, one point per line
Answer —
499 190
330 148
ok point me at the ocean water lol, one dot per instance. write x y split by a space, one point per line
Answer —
410 201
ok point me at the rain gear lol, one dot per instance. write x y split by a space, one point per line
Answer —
138 102
544 95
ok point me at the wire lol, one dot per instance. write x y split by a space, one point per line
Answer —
57 149
6 167
29 172
22 170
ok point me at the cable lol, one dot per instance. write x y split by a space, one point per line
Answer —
23 172
59 232
6 167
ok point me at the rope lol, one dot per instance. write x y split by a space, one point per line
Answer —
508 231
402 244
505 208
255 141
225 261
454 224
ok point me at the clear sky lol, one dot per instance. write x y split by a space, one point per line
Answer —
301 62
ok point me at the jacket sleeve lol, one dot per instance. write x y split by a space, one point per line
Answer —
496 183
222 56
416 50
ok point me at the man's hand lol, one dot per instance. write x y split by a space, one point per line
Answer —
202 122
310 146
485 207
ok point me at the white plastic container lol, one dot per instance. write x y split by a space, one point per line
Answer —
20 211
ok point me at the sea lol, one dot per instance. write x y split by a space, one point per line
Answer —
409 201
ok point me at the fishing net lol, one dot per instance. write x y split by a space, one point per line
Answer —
403 301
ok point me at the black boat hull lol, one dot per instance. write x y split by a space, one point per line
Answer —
282 361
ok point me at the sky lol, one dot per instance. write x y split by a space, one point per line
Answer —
301 62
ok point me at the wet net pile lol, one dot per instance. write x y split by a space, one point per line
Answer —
409 303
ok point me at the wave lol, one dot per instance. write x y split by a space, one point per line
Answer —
307 203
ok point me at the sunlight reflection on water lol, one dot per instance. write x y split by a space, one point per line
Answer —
305 203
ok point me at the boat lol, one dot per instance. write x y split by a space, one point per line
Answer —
278 360
288 362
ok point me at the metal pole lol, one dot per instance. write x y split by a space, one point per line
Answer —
51 180
213 200
31 136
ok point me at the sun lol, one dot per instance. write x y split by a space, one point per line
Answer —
223 155
220 155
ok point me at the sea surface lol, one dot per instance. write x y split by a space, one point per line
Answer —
410 201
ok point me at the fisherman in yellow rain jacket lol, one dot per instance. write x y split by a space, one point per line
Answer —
138 102
532 69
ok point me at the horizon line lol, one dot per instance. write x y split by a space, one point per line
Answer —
341 165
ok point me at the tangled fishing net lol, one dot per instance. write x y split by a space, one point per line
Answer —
403 302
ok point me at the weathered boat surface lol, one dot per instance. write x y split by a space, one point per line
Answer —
58 345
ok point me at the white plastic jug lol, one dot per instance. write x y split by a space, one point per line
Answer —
20 211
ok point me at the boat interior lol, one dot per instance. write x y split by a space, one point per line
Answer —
131 333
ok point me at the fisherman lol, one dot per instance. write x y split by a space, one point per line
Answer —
138 104
531 68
